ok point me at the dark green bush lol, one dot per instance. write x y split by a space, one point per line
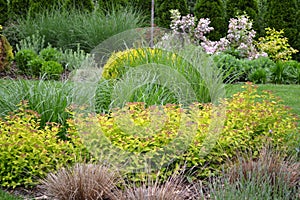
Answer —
3 11
162 11
52 69
259 70
50 54
279 73
232 67
23 57
238 7
284 15
287 72
36 6
18 8
35 65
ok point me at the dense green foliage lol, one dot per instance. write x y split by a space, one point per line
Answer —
29 152
162 10
23 58
215 11
52 69
3 11
66 29
18 8
260 70
252 119
284 14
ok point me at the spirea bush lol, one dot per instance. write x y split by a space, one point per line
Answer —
251 119
29 152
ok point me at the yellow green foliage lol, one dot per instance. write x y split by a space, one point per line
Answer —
29 152
118 61
6 52
251 119
276 45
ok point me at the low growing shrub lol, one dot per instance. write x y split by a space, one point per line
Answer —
29 152
50 54
251 120
23 57
52 69
276 45
35 65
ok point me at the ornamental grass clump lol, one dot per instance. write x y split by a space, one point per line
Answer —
174 188
82 181
270 176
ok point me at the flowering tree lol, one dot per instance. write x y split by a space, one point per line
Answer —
239 39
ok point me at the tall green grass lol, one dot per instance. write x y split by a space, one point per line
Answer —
48 98
68 28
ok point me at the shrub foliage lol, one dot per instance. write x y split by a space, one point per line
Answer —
29 152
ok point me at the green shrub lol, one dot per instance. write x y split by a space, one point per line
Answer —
35 65
18 8
286 72
279 73
3 11
23 57
232 67
36 6
50 54
29 152
52 69
293 71
73 59
251 121
6 54
259 70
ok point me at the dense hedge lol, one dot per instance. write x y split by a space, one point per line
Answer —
3 11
